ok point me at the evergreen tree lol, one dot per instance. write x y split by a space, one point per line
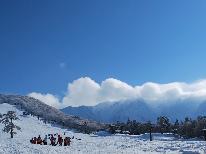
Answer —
112 129
7 120
128 122
163 123
188 127
201 124
176 123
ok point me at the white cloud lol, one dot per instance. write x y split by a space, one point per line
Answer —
114 90
85 91
48 99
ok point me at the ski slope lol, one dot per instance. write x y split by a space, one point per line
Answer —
100 143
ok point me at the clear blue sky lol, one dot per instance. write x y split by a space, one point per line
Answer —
46 44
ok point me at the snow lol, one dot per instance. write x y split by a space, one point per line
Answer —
100 142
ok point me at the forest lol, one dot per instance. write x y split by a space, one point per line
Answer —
188 128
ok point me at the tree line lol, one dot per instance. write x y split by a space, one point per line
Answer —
187 128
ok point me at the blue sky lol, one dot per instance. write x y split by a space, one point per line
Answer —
47 44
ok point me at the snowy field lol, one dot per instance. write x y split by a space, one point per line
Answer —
94 143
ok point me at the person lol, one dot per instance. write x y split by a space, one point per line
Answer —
35 140
45 140
39 140
52 139
67 141
60 140
32 141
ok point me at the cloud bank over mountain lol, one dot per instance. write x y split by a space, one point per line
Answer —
85 91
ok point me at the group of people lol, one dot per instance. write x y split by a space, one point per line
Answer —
53 140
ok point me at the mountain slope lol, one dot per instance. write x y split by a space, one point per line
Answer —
49 113
89 144
112 112
138 110
180 110
201 110
77 111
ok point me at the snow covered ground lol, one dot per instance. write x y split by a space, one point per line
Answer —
95 143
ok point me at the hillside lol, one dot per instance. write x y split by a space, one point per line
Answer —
49 113
89 144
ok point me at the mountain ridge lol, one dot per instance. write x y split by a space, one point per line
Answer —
138 110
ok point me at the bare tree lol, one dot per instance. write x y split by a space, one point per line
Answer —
7 120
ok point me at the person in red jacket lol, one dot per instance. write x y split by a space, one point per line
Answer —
39 140
60 140
67 141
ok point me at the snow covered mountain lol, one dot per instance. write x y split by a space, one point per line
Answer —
48 113
138 110
112 112
201 110
100 142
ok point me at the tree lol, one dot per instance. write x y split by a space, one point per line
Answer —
112 129
7 120
163 123
175 127
128 122
188 128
